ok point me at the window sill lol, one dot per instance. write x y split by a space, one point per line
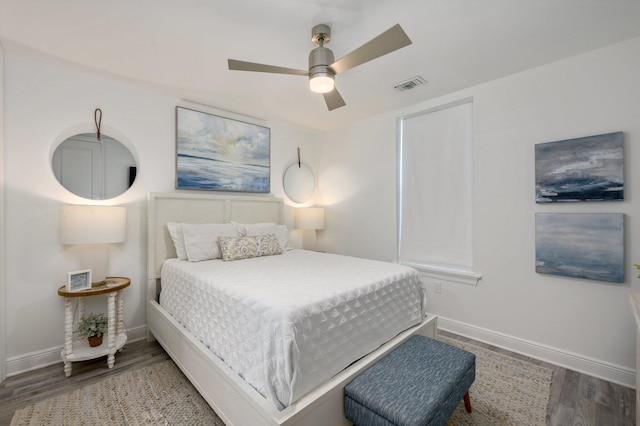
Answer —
460 276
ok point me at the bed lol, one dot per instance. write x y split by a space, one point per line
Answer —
235 400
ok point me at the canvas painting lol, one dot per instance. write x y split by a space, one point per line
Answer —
221 154
581 245
582 169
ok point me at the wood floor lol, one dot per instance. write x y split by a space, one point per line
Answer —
576 399
27 388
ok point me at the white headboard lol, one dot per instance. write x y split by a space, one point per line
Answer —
198 208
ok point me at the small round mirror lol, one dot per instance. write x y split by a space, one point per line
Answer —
92 168
299 183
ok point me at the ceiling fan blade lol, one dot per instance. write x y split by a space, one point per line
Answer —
333 99
393 39
251 66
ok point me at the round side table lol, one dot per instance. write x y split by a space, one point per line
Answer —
79 350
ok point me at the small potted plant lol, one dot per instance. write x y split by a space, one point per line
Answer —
93 327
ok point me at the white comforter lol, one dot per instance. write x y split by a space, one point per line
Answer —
290 322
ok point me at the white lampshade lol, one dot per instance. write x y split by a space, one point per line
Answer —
93 224
309 218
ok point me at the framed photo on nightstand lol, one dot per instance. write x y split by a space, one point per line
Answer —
79 280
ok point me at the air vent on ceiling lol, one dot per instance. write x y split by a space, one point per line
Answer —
412 83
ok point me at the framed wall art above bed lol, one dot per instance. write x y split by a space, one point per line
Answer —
221 154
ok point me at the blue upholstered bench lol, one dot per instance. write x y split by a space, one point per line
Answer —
419 383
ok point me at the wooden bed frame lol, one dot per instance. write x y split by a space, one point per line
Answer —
235 401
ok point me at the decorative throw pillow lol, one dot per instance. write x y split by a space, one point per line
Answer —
268 245
249 246
238 248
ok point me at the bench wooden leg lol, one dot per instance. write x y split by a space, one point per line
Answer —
467 402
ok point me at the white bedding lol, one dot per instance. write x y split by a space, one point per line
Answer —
288 323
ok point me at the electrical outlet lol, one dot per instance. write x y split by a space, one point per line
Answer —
437 286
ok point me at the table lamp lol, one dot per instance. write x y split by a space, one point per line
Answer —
309 219
96 226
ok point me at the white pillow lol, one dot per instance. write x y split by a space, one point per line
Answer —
201 240
175 231
281 232
244 227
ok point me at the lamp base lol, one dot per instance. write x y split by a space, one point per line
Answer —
309 239
96 258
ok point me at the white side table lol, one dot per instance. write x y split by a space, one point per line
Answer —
79 350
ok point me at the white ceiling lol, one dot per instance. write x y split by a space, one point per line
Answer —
181 47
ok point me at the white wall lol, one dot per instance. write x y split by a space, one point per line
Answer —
44 104
3 369
587 325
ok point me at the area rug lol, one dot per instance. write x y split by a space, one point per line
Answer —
156 395
506 391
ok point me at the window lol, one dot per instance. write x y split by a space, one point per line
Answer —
435 192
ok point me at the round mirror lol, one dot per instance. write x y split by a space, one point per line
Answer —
299 183
92 168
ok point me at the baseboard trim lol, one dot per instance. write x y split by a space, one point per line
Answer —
592 367
38 359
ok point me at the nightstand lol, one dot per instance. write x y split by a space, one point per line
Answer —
79 350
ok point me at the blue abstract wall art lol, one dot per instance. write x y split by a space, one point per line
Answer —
581 245
221 154
582 169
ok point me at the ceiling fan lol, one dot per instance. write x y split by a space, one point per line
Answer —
322 66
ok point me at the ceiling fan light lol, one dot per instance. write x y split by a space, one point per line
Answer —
321 83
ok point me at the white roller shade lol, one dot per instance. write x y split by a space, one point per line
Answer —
436 188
